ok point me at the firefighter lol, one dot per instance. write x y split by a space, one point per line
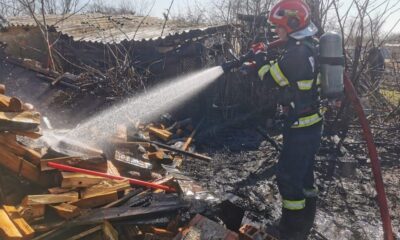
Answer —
295 75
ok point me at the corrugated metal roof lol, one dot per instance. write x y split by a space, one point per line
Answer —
110 28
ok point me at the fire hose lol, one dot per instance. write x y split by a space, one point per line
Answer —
351 94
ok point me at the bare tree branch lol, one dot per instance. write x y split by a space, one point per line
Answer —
166 17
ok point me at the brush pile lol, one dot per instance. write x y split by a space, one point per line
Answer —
115 82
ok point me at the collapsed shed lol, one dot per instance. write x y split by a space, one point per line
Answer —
101 41
97 59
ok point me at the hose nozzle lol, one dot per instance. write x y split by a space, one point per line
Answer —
228 66
237 62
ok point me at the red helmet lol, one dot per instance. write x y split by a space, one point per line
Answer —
293 16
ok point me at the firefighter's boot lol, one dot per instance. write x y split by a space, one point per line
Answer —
292 225
310 211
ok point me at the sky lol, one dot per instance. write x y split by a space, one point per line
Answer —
180 6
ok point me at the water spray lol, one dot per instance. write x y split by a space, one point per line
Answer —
148 105
144 107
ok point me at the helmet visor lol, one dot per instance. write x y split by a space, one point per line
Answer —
308 31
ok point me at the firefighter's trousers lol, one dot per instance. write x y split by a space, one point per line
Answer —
295 173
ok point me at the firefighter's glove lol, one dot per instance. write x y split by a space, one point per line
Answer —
258 47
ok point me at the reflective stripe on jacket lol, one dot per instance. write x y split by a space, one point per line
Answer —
295 70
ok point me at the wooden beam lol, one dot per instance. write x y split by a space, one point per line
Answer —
162 232
21 121
109 231
190 138
45 199
124 198
72 161
31 213
80 147
105 187
113 169
167 180
138 198
58 190
86 233
20 150
156 156
47 228
7 228
64 160
10 104
32 65
7 137
97 200
165 146
24 228
73 180
19 166
100 166
121 213
33 135
159 232
160 133
66 211
53 83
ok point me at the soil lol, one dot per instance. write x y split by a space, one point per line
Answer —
243 170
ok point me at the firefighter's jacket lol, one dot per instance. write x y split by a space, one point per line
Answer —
295 74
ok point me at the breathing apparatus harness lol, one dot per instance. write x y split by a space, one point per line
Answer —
296 106
328 71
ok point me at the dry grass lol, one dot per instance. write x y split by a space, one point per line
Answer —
393 96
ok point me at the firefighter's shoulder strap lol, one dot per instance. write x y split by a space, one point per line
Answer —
312 44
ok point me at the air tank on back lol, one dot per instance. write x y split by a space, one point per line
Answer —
332 65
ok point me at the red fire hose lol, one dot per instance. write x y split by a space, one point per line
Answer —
100 174
373 154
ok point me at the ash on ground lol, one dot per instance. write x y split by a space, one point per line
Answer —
243 170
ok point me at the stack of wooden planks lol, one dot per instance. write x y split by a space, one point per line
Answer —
19 119
78 192
76 205
145 147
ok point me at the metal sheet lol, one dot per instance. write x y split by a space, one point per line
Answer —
114 28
